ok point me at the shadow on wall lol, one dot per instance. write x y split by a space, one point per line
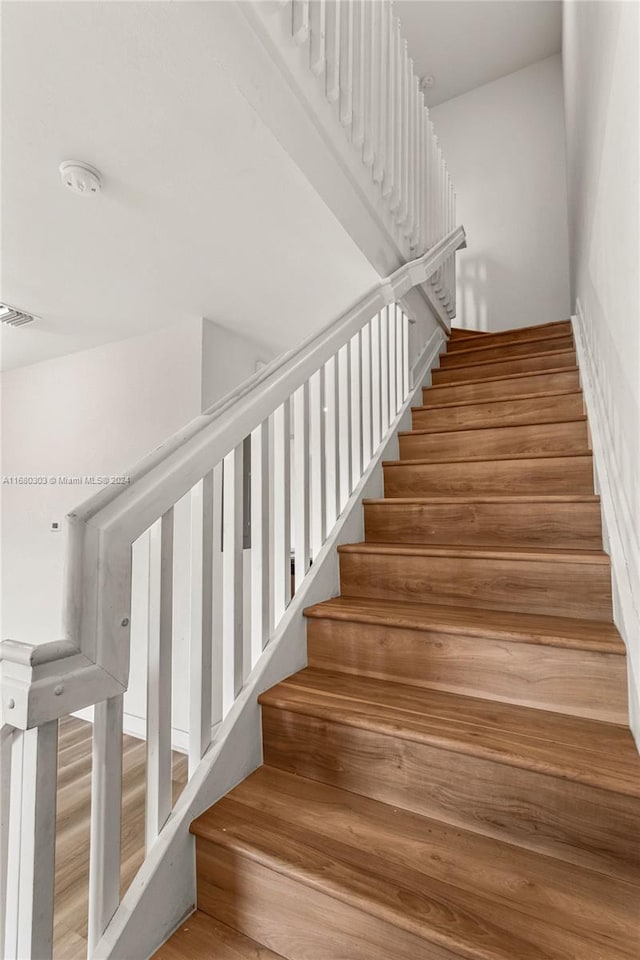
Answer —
472 282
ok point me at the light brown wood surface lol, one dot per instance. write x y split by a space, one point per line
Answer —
452 776
511 475
564 522
73 817
570 436
563 359
528 409
559 328
502 387
481 352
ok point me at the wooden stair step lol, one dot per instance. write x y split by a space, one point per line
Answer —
552 663
410 887
540 408
549 474
460 333
202 937
567 436
502 387
562 328
562 785
482 353
568 522
553 582
561 360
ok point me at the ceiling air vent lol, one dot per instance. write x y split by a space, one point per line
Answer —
12 317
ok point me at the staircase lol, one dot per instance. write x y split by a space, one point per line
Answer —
452 775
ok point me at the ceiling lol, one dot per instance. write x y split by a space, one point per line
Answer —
202 213
463 44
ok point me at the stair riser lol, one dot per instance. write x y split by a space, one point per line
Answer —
500 413
502 389
504 368
538 810
576 682
568 589
296 920
534 524
530 439
512 336
479 353
559 475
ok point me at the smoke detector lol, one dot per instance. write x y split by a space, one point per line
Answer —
427 82
12 317
80 178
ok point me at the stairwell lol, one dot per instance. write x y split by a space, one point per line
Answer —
452 775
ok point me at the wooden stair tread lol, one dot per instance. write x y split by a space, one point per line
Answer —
202 937
601 755
497 498
594 635
487 553
488 426
472 403
565 368
534 328
478 897
478 347
559 354
486 459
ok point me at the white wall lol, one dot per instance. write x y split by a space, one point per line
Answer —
600 60
96 413
504 146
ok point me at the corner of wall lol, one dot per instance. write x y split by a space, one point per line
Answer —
619 529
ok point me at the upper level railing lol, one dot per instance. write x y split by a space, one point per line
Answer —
310 423
360 61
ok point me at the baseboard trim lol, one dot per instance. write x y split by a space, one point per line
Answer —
618 527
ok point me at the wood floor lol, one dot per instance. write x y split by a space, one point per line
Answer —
72 839
452 776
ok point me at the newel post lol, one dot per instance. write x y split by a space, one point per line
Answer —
29 764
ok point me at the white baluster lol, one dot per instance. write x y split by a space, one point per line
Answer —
397 130
201 626
406 374
301 484
160 626
300 20
7 734
384 369
331 433
365 379
281 472
356 413
411 143
317 51
369 12
393 396
260 475
346 63
390 94
333 28
381 81
359 64
106 814
404 156
317 419
232 577
30 840
343 425
217 705
376 383
399 358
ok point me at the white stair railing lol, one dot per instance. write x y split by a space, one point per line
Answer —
338 395
356 50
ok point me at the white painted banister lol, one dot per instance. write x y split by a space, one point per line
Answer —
265 473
